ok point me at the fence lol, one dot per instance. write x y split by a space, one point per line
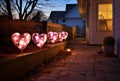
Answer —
7 28
57 28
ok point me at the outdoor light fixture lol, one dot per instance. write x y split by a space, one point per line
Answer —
39 39
62 36
68 50
52 36
65 35
21 41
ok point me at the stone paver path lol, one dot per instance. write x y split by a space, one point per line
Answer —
84 64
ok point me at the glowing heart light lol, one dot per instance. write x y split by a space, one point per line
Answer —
21 41
62 36
39 39
65 35
52 36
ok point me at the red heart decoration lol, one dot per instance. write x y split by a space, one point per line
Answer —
21 41
39 39
52 36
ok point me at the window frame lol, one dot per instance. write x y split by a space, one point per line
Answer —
97 19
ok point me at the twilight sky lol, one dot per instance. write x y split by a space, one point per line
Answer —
55 5
51 5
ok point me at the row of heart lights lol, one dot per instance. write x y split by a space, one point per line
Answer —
21 41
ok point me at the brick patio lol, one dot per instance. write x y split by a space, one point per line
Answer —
84 64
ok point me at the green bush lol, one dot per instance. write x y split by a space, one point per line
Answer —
109 40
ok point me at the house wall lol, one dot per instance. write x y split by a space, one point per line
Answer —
73 18
73 13
116 24
72 22
92 35
75 22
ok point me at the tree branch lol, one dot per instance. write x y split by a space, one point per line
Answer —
9 9
34 2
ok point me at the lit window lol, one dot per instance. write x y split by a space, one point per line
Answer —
104 17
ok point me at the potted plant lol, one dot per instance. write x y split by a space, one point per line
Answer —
108 46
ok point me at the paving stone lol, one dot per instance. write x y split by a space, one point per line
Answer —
107 67
46 79
54 73
75 77
63 73
61 68
90 78
100 76
112 76
61 80
90 73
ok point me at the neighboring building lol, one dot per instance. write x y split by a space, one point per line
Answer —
70 17
37 15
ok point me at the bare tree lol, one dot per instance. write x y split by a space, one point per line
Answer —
8 7
37 15
23 7
5 8
23 10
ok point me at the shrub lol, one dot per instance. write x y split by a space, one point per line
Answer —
109 40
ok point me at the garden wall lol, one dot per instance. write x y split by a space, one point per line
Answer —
11 69
8 27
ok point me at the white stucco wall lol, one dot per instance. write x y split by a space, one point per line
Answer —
116 24
72 18
72 22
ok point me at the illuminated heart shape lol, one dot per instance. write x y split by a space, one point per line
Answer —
62 36
21 41
39 39
52 36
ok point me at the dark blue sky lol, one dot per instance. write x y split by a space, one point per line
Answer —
55 5
52 5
